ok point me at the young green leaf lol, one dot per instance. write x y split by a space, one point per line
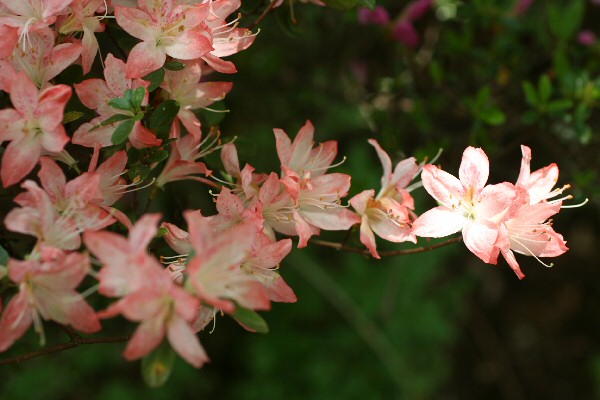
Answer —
174 66
122 132
71 116
250 320
545 89
162 118
122 103
155 78
138 97
157 366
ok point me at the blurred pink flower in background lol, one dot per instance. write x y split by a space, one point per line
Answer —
587 38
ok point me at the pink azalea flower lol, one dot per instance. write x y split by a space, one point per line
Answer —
317 204
299 155
163 309
214 271
247 182
466 204
47 283
227 39
82 18
263 264
388 213
184 87
127 266
182 163
34 124
9 35
526 230
38 217
32 15
96 93
539 183
166 28
42 60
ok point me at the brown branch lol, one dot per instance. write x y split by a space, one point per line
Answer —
262 16
76 340
390 253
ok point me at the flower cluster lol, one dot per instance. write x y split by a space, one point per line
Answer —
141 130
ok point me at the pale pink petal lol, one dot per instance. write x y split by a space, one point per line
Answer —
474 169
541 182
15 320
509 256
24 95
144 58
367 237
333 219
94 93
11 124
219 65
109 247
386 162
52 177
190 45
480 238
393 231
185 342
136 22
52 102
442 186
140 137
61 57
54 140
19 159
114 73
361 200
438 222
143 232
146 338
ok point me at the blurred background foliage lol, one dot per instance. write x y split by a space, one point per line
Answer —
489 73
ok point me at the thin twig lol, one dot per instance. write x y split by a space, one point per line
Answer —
263 15
76 340
389 253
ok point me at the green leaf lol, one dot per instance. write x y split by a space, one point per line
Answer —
174 66
530 94
3 256
544 88
492 116
121 103
162 118
157 366
158 156
122 132
566 20
72 116
112 120
367 3
250 320
139 171
559 105
138 97
155 78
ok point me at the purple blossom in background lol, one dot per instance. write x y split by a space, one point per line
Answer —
521 6
586 38
404 30
417 9
377 16
405 33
